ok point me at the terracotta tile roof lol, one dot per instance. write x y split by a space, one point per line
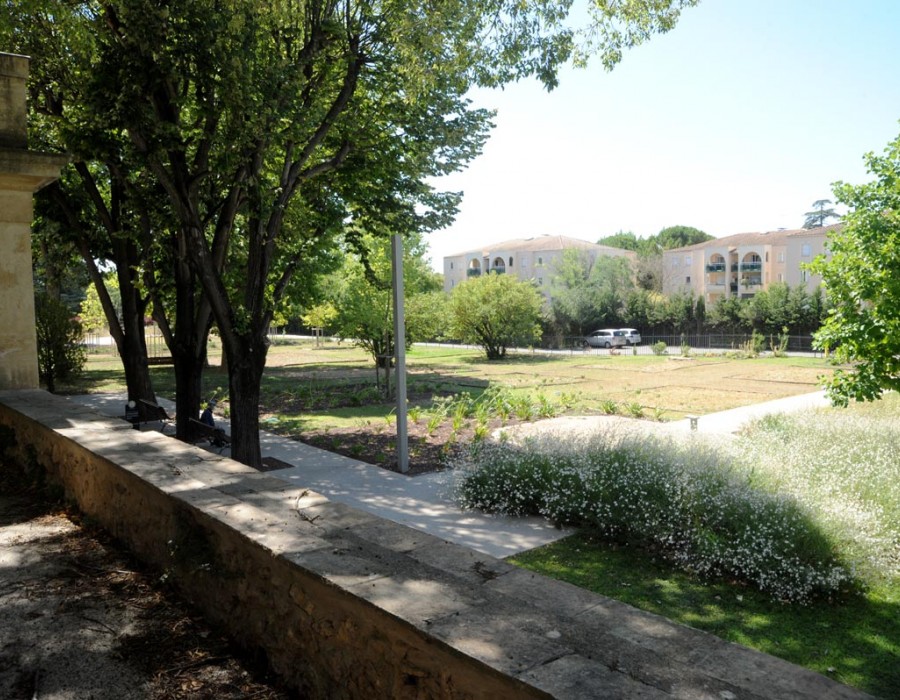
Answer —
766 238
539 244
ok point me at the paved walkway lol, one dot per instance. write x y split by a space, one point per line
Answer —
426 502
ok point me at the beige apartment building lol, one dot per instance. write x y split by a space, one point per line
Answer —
526 258
745 263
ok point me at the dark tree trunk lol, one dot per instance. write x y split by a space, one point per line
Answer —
189 347
247 360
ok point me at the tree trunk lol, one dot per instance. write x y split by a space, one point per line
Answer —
247 360
188 351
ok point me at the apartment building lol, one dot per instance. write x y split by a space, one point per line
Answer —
526 258
745 263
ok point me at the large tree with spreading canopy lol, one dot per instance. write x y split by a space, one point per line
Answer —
263 127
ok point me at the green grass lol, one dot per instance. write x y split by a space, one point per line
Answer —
855 641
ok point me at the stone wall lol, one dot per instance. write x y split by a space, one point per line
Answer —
347 605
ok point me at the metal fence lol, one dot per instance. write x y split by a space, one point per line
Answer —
705 342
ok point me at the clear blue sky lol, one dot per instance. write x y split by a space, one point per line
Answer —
737 120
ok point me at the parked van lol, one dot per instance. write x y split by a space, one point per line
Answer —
632 337
605 338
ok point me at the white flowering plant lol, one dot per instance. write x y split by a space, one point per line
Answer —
695 502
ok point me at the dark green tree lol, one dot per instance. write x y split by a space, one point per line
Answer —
820 214
680 236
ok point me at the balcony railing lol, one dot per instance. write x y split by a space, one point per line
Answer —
499 270
751 267
715 267
473 272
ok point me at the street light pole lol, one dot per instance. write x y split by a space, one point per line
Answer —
400 351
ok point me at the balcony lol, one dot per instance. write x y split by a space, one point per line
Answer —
751 267
715 267
498 270
473 272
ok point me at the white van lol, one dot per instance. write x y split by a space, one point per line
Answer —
632 337
605 338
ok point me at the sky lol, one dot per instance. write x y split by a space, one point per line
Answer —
736 120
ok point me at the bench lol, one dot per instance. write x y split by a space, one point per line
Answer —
149 412
215 436
161 360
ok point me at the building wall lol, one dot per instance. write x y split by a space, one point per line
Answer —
538 265
22 172
697 269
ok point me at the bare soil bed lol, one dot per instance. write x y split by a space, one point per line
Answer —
79 618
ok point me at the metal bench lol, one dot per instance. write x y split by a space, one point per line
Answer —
149 412
216 437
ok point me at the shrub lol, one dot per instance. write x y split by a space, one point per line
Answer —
61 354
706 515
660 348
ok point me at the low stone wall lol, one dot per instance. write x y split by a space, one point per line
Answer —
348 605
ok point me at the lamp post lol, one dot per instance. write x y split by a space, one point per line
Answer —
400 351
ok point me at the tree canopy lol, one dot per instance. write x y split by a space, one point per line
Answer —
246 136
862 284
820 214
496 312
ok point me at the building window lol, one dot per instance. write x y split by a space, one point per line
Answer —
687 260
687 280
781 256
451 266
780 277
510 261
804 275
767 256
805 251
523 262
540 261
676 262
540 279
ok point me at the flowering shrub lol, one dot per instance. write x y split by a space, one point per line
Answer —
843 468
705 512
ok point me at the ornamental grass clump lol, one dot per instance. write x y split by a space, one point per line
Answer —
683 500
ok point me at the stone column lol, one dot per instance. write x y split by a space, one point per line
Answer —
22 173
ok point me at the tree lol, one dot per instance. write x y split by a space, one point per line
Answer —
496 312
680 236
243 118
626 240
572 302
362 300
862 327
819 215
61 354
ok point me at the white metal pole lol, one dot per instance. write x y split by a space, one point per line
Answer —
400 352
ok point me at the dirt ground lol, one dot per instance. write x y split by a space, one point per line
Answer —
80 619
